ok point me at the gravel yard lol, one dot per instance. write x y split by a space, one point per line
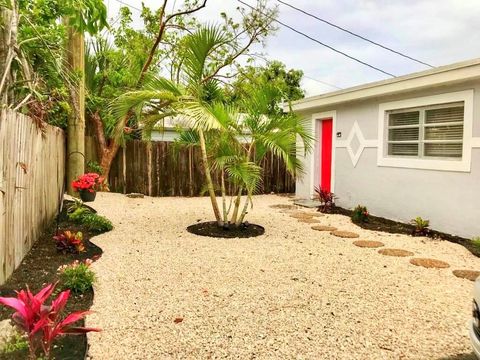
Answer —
292 293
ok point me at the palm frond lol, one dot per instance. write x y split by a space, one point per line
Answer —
245 173
197 48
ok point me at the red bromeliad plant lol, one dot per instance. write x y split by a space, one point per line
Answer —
327 199
42 323
88 182
69 241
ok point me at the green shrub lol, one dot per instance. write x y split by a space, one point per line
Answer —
78 214
360 214
95 223
77 277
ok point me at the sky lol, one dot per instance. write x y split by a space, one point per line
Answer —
438 32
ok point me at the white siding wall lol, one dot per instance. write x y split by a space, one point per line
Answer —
450 200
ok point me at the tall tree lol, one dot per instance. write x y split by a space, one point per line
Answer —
275 73
8 47
157 23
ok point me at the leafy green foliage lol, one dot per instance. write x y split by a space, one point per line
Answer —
421 226
285 84
476 242
94 167
77 277
360 214
95 223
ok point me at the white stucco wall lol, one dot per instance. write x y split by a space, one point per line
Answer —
449 199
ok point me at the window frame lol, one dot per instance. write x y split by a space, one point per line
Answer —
422 104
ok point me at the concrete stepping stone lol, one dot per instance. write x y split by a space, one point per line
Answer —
429 263
395 252
466 274
368 244
301 215
309 220
324 228
345 234
283 206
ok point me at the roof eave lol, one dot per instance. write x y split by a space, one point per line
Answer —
440 76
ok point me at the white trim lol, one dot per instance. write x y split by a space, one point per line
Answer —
439 76
429 164
362 143
476 142
319 117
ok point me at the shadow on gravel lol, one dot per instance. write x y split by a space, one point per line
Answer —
469 356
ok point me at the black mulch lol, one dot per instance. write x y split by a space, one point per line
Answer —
212 229
38 268
386 225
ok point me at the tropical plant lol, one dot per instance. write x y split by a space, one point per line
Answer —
93 222
43 324
360 214
327 200
70 242
77 276
421 226
216 128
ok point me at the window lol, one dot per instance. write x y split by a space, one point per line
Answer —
428 132
431 132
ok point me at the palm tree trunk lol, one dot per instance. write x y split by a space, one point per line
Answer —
238 200
224 199
208 176
244 211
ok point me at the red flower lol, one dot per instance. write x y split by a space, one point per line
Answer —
87 182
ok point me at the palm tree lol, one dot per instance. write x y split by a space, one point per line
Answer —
215 127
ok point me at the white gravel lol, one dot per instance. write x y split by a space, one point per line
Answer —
293 293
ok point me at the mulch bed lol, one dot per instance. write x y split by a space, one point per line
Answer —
211 229
376 223
39 267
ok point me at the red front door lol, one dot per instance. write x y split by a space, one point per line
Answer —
326 158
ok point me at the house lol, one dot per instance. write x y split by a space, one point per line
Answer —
403 147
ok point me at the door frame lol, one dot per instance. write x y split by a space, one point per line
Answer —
316 157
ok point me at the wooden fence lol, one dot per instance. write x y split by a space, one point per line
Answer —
155 169
32 162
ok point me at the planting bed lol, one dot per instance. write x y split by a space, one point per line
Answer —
394 227
211 228
39 267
